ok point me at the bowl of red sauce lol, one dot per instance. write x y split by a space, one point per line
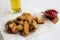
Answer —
51 13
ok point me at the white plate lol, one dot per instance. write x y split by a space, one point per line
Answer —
43 28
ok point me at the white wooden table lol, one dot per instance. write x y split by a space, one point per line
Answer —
41 5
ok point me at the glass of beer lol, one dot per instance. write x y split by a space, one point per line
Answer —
16 5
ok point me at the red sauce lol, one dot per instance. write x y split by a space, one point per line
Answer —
51 13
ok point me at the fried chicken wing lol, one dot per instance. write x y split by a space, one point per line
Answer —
33 26
25 31
13 28
27 17
39 21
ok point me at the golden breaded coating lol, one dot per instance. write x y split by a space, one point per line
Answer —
19 27
21 22
7 25
13 28
9 22
31 28
39 21
26 16
26 28
29 19
20 18
34 25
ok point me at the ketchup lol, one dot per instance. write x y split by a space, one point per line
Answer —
51 13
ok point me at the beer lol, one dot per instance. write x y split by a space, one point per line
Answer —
16 5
